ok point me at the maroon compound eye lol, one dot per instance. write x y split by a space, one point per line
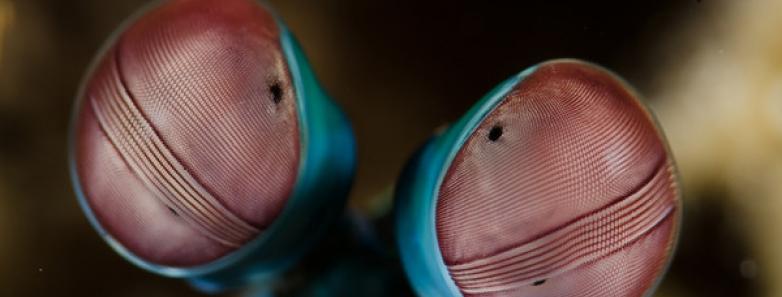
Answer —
186 142
565 189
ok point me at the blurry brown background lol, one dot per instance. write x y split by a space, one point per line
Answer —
711 69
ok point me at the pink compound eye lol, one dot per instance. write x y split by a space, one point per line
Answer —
565 189
187 138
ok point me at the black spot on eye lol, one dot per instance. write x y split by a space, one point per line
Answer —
538 283
495 133
276 92
172 211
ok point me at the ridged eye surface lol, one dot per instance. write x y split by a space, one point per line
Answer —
565 189
187 137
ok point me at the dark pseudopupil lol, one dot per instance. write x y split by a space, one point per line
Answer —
495 133
538 283
276 91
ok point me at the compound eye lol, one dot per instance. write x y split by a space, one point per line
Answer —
186 147
574 184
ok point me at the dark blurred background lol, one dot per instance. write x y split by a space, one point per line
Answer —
400 69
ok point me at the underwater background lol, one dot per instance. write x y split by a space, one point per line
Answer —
710 69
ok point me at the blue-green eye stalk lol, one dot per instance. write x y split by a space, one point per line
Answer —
202 146
556 183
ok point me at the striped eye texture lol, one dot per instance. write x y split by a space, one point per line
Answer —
187 138
564 189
